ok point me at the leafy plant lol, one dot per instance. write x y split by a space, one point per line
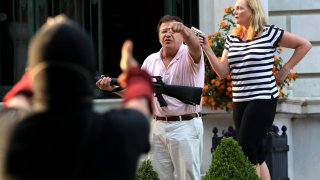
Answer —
229 162
217 92
274 130
146 171
229 133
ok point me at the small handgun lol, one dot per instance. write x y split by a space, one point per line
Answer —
197 31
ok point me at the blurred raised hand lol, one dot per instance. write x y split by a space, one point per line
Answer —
127 61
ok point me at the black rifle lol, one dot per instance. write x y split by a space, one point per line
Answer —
186 94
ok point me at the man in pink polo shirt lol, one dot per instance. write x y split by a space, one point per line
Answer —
176 129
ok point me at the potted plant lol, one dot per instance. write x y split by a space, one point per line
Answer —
146 171
274 146
229 162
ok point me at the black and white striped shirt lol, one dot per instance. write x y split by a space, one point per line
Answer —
251 65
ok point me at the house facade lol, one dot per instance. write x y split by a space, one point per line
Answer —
109 23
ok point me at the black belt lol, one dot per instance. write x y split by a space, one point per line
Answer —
184 117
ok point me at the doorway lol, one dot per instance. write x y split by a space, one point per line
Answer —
122 21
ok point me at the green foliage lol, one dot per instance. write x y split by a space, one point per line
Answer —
218 92
230 163
146 171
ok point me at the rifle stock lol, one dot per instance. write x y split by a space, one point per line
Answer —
186 94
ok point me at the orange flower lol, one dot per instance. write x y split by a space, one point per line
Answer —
222 87
274 69
217 83
206 87
223 24
226 10
217 33
294 75
274 73
213 81
228 77
210 36
281 93
275 58
204 98
229 105
210 42
229 89
291 75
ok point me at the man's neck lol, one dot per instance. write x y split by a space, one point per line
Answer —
168 53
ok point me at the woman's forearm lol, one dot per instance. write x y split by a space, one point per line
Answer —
220 67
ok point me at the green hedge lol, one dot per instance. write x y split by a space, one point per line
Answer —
229 162
146 171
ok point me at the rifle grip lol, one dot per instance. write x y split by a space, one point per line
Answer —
161 100
114 82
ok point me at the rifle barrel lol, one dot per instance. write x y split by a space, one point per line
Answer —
114 82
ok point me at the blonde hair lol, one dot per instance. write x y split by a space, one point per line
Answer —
258 20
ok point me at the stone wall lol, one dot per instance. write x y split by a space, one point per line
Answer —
301 18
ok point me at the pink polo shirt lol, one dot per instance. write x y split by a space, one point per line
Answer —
181 71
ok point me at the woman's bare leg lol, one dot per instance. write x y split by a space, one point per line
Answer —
258 170
264 171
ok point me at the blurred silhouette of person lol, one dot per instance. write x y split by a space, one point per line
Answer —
9 117
16 106
64 138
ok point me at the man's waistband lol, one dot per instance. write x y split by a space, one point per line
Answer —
184 117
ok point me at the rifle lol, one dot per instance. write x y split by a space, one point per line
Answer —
186 94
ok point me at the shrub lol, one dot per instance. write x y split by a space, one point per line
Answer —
229 162
146 171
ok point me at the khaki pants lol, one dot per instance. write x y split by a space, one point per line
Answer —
176 149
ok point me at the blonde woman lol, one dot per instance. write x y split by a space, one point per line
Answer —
248 56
